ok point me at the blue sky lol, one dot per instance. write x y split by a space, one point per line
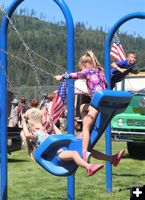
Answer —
94 13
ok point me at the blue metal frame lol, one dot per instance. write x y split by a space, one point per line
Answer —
3 101
3 90
70 98
139 15
70 67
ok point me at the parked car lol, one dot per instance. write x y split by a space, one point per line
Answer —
129 126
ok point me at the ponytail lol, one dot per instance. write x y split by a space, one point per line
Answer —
95 62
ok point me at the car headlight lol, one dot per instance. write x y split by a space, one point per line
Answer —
142 102
120 122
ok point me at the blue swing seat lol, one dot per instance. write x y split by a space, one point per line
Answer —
108 103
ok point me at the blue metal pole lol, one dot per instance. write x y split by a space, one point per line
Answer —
70 99
140 15
0 130
3 99
3 124
70 67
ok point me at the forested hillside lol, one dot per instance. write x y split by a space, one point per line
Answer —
49 41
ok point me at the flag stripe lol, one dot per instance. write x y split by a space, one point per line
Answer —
59 102
58 107
117 53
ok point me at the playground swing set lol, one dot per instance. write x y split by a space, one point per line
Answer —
108 103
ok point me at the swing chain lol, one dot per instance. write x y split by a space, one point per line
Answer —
9 85
27 63
13 26
29 51
34 67
23 42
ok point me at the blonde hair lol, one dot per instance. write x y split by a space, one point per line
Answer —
29 146
34 118
89 57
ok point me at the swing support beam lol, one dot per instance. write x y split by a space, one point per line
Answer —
3 90
138 15
70 68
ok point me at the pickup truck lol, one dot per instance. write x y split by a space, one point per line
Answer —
129 126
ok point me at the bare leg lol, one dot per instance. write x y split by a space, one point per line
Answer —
73 155
114 159
87 125
100 156
84 110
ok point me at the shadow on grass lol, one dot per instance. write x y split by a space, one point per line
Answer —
123 189
129 175
126 156
128 188
141 157
52 198
11 160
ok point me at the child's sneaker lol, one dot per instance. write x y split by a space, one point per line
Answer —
87 156
93 169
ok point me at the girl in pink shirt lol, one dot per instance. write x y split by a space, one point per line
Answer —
95 80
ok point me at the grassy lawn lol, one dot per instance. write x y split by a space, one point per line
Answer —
28 181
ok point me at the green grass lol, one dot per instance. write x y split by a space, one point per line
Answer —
28 181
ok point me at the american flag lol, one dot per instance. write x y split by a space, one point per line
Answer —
58 107
59 102
117 53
